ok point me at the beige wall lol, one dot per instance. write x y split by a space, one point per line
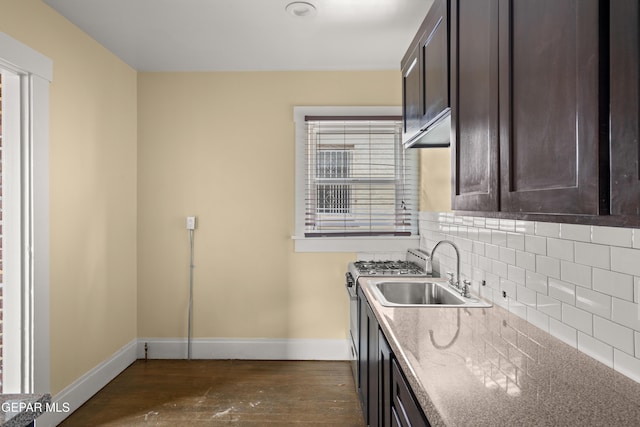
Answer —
92 186
221 146
435 179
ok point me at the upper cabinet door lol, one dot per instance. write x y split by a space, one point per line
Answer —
425 82
474 104
625 107
411 101
549 106
435 63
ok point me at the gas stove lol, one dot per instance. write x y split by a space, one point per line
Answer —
417 264
387 268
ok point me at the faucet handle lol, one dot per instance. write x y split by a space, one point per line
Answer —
465 288
450 276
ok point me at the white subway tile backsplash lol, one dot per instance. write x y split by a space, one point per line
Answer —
500 300
508 255
479 222
626 365
549 306
526 296
507 224
508 287
575 232
525 227
613 334
484 263
626 313
465 244
499 268
580 283
484 235
548 229
593 302
561 249
538 318
526 260
612 283
625 260
576 318
518 308
613 236
548 266
492 281
597 349
536 282
563 332
478 248
535 244
499 237
563 291
516 274
515 241
575 273
492 223
593 255
467 221
492 251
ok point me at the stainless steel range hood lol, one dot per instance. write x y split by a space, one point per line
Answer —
436 133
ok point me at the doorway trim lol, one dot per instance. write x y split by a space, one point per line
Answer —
36 73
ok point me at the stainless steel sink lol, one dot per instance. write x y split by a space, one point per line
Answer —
421 294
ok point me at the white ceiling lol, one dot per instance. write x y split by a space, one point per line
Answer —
233 35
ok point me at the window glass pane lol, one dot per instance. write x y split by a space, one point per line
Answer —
359 179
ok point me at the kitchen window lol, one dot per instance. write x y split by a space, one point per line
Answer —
356 187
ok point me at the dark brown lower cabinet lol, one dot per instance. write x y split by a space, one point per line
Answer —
385 356
367 363
384 393
405 411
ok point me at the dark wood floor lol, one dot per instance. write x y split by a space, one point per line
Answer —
225 392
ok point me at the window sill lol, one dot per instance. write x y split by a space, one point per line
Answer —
355 244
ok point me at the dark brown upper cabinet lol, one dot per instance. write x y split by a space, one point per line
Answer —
474 104
425 81
411 89
625 107
549 106
545 98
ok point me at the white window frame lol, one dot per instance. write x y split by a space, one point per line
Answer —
337 244
29 303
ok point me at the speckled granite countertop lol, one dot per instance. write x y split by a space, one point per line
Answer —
18 410
488 367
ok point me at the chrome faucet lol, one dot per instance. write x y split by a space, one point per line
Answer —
452 283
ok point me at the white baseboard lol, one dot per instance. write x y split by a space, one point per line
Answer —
81 390
250 348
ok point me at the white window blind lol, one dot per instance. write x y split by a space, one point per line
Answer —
359 180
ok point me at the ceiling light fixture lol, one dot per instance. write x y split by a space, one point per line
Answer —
301 9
